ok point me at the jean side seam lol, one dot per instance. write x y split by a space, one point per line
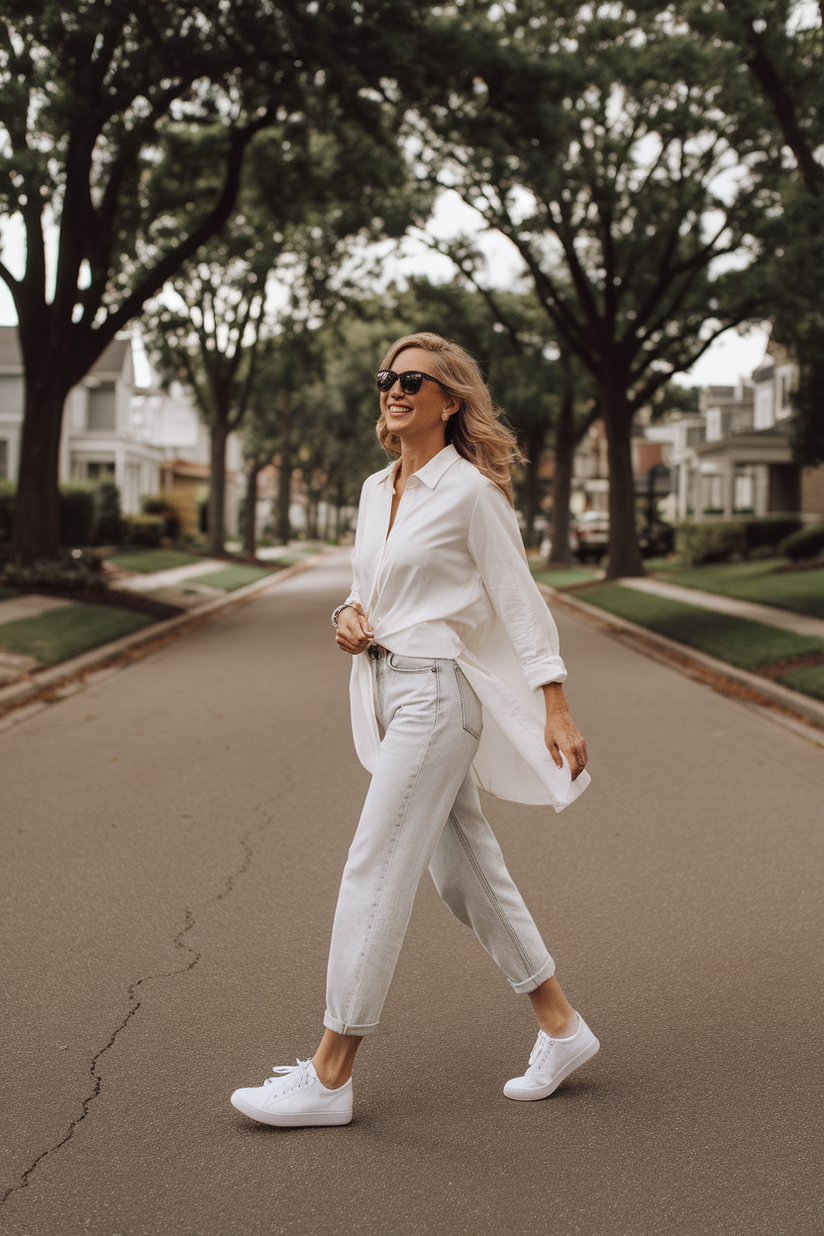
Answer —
495 903
393 847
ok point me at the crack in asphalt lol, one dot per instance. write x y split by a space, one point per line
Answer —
135 1003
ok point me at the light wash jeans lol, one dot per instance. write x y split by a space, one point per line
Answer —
422 810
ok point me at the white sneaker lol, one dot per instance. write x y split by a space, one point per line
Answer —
551 1061
294 1098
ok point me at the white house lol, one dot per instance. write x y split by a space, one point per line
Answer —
140 439
97 442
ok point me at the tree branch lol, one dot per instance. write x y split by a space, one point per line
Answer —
781 102
154 279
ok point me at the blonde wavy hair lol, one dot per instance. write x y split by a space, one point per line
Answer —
475 430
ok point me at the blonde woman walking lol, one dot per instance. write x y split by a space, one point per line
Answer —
456 682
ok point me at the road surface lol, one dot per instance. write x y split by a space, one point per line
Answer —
173 838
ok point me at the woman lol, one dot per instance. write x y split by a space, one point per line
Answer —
456 683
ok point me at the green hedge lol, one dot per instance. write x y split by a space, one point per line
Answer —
722 539
89 513
808 543
76 514
147 531
108 528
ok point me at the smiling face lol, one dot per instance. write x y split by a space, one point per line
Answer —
417 419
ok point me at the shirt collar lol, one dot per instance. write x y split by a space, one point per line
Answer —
431 472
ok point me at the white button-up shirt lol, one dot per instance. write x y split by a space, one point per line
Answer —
451 580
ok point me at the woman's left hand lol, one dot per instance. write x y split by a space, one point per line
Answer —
561 733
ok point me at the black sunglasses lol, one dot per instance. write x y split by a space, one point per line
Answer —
411 381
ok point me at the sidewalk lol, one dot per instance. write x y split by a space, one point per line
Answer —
785 619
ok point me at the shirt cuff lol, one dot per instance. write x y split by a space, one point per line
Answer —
548 669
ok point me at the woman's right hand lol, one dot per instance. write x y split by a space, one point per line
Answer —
354 632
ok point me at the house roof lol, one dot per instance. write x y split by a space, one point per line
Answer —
111 362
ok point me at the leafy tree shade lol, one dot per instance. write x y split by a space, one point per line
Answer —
307 195
100 99
593 141
782 47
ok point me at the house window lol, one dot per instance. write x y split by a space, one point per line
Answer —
743 493
764 415
4 460
713 495
97 471
102 412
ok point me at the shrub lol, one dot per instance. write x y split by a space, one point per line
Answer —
719 540
76 514
107 521
808 543
171 519
78 570
710 542
82 508
145 531
770 532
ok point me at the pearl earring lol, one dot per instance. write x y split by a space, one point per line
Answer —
445 416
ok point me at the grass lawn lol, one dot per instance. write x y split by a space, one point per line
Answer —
802 591
148 560
809 681
563 577
6 593
735 640
62 633
233 577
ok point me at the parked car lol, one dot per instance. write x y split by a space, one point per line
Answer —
588 535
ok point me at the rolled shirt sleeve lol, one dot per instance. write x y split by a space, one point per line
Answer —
495 544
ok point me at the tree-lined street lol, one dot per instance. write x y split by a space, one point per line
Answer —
174 835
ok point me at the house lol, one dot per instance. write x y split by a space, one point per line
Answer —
97 442
147 441
169 421
744 466
731 459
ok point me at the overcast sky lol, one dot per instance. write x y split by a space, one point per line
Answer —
730 357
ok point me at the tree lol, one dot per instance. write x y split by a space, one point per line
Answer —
780 46
592 140
308 197
101 98
209 339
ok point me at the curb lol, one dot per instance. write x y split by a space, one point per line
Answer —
56 676
719 674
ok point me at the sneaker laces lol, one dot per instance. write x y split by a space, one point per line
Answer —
539 1053
291 1077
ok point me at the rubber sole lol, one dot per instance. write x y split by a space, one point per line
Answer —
290 1120
529 1094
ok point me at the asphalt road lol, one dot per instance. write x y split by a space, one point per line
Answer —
173 837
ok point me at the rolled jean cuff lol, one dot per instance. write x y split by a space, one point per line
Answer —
341 1027
529 984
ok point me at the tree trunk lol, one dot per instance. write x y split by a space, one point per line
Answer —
250 512
562 483
219 432
532 479
285 467
311 515
36 529
623 550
